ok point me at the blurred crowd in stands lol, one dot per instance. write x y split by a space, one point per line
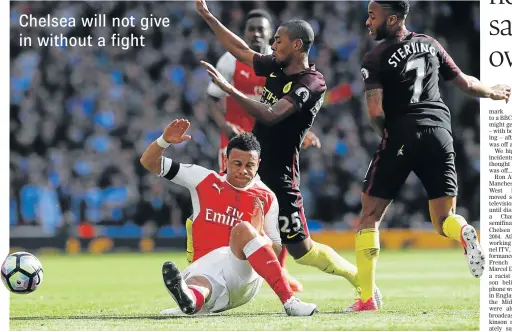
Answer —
81 117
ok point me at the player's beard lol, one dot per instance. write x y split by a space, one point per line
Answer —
382 31
285 62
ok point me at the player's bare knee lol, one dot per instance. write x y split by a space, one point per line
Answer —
372 212
241 234
244 232
370 218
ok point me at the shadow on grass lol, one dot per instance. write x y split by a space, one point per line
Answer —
152 317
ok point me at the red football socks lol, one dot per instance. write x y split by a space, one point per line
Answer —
264 261
198 296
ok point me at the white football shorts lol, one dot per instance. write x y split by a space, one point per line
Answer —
234 282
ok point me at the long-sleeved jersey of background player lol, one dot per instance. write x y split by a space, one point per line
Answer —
281 142
218 206
407 68
243 78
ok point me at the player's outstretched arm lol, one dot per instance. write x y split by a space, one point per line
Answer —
474 87
269 115
234 44
375 110
262 112
469 84
174 133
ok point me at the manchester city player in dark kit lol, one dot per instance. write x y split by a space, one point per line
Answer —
293 95
401 77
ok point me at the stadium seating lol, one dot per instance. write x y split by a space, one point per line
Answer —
80 118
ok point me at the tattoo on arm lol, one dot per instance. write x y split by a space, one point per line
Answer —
375 111
377 93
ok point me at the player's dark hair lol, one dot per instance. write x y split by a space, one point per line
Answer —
398 8
299 29
244 142
259 13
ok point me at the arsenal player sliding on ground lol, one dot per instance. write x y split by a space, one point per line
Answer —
293 94
401 77
234 227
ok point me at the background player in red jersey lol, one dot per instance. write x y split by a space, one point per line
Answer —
293 94
235 231
401 77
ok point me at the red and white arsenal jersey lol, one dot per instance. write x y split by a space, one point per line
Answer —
218 206
243 78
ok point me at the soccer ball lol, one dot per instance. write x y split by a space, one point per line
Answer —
22 272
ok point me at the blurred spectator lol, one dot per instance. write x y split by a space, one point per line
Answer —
81 117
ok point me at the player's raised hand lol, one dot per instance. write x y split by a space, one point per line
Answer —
202 8
500 92
217 77
311 140
175 131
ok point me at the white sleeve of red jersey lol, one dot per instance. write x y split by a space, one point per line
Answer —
186 175
225 66
271 224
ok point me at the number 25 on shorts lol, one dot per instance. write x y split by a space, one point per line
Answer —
289 224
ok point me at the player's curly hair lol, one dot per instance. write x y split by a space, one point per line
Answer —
245 142
300 29
398 8
259 13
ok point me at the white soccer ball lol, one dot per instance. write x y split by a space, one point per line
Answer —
22 273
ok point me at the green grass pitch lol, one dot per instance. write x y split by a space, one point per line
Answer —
423 290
